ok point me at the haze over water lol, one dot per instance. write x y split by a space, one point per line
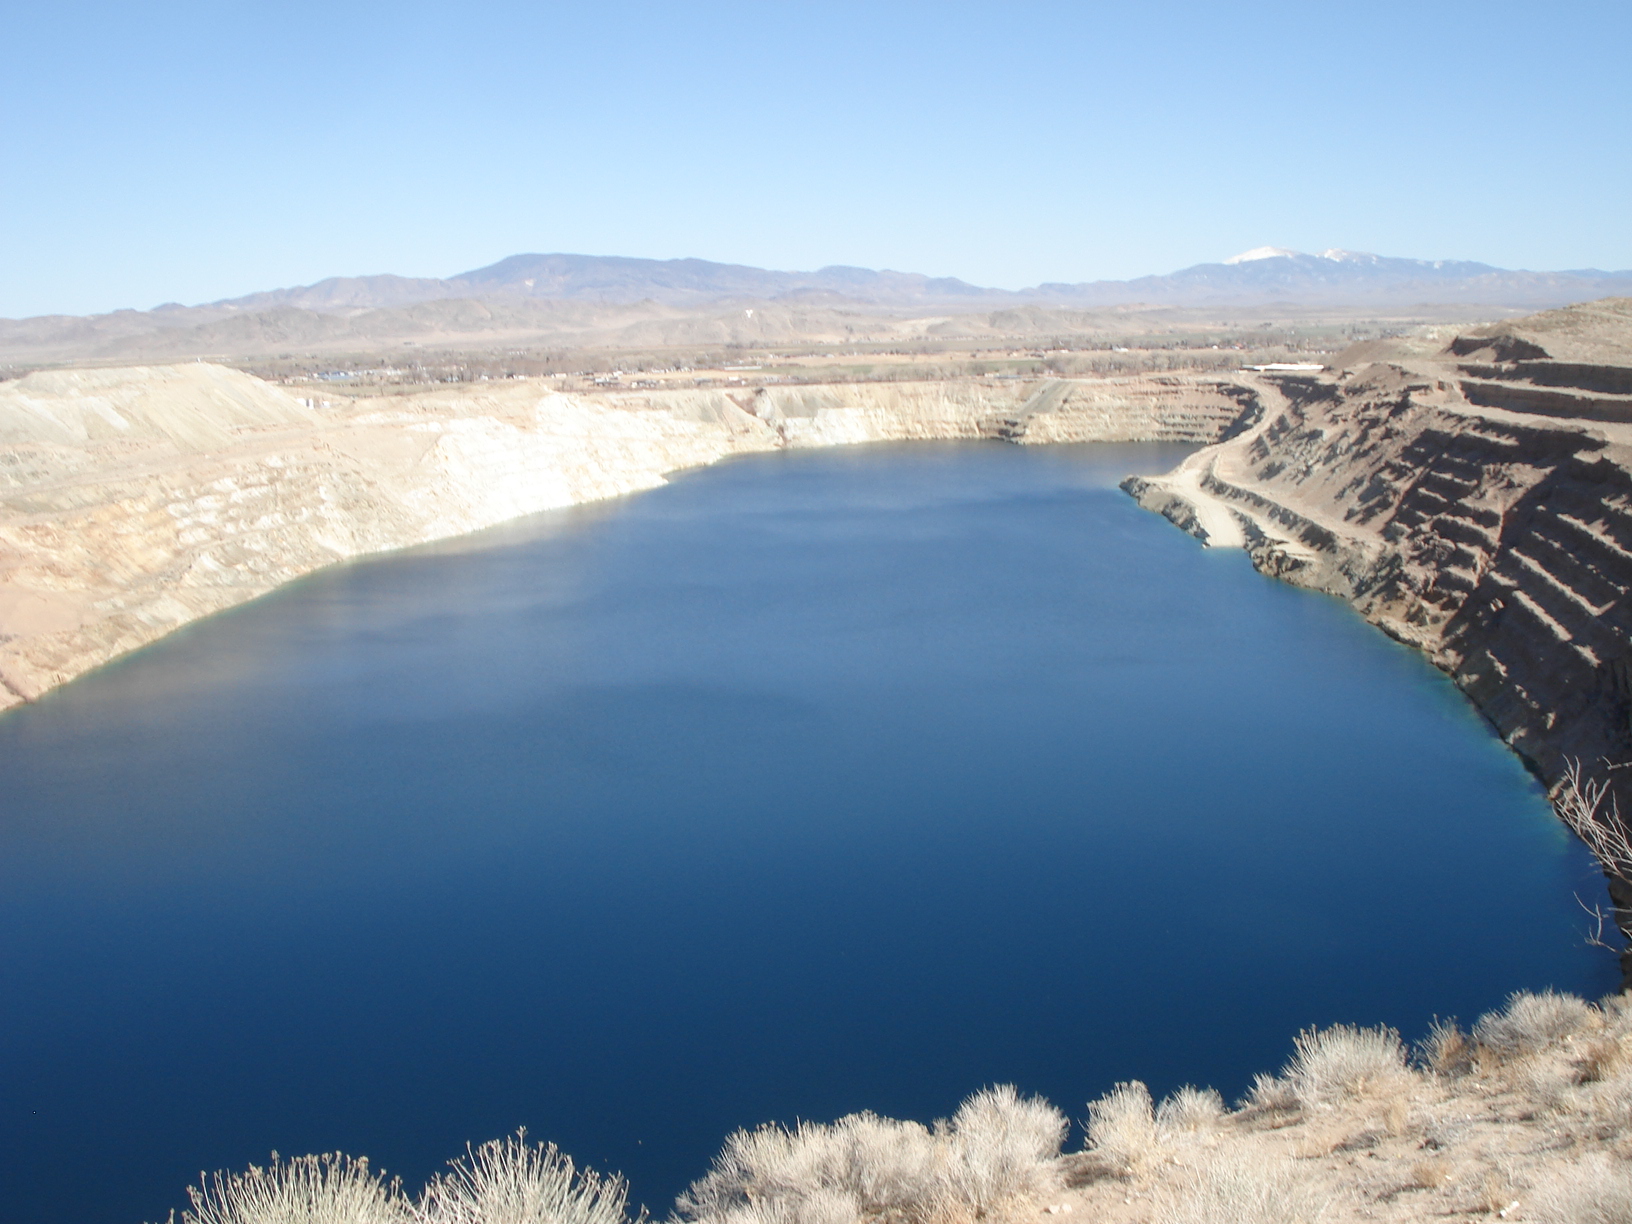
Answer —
810 783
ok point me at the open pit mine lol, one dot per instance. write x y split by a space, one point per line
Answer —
1467 491
1469 496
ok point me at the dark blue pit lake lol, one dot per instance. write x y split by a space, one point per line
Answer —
809 783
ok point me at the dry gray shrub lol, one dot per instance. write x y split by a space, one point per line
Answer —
509 1181
1446 1050
863 1163
1616 1013
1431 1173
1546 1083
327 1189
999 1146
1595 1191
1606 1055
1189 1110
1600 1060
821 1206
1344 1062
1602 1109
1397 1116
1498 1190
1122 1127
1530 1023
1004 1147
1269 1094
1241 1186
824 1206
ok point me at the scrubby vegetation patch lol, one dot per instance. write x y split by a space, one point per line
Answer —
1527 1115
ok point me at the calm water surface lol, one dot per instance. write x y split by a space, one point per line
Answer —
807 784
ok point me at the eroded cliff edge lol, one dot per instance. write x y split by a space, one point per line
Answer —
133 501
1475 502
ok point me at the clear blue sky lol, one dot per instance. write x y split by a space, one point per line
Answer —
192 151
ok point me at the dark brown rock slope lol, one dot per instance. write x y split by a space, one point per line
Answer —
1476 504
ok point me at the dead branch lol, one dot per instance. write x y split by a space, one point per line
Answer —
1579 802
1595 936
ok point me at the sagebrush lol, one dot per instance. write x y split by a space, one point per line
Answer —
1302 1149
998 1147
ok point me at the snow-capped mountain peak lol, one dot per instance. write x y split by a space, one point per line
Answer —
1263 252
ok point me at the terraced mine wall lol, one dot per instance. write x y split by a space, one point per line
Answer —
133 501
1498 544
1491 531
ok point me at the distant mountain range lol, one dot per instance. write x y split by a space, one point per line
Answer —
609 301
1262 276
616 279
1347 278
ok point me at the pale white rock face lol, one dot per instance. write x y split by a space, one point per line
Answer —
886 411
135 500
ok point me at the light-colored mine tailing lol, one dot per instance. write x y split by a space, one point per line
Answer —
133 501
